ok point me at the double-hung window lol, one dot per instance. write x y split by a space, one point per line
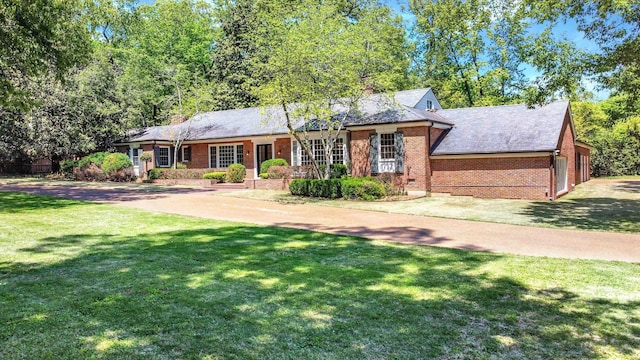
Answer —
387 153
186 153
221 156
164 156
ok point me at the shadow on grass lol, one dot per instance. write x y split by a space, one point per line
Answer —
267 292
83 193
628 186
603 214
15 202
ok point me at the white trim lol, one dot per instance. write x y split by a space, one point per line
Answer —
390 164
168 156
565 188
235 153
182 153
492 155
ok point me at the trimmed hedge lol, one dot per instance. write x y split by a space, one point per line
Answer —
220 176
264 167
330 189
67 166
114 162
177 174
362 188
236 173
279 172
263 175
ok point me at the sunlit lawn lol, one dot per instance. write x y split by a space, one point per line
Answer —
601 204
82 280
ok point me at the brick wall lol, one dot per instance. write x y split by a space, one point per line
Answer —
416 162
200 156
513 178
360 153
283 146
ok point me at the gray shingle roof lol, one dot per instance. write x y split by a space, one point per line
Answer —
500 129
374 109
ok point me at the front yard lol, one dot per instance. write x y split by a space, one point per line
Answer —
600 204
83 280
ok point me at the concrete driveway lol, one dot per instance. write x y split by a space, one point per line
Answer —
408 229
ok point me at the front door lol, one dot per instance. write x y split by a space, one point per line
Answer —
264 153
135 159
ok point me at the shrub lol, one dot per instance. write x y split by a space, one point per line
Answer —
95 158
89 172
263 175
338 171
330 189
181 166
177 174
220 176
264 167
67 166
299 187
362 189
391 183
146 157
155 173
114 162
236 173
279 172
122 175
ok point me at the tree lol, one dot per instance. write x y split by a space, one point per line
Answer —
615 26
234 53
475 52
38 37
322 61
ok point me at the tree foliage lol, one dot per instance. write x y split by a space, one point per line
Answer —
323 56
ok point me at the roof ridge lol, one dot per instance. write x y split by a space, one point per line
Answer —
504 105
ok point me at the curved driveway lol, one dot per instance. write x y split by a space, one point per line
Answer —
459 234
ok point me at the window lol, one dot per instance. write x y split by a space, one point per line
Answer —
561 174
429 104
163 156
221 156
240 154
387 148
300 157
135 157
338 151
226 155
186 153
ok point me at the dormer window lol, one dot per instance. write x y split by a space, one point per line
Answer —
429 105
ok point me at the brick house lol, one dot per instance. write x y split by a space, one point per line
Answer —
509 151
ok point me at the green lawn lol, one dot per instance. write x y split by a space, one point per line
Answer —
82 280
601 204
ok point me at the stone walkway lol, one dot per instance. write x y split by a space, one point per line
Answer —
408 229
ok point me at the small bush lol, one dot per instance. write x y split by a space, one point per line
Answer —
299 187
263 175
279 172
95 158
362 189
155 173
338 171
264 167
181 166
236 173
67 166
220 176
330 189
392 184
114 162
89 172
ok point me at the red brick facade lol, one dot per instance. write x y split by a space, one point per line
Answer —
282 149
512 177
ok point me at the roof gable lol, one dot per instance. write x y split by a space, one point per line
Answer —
500 129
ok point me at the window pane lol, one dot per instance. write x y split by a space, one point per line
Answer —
212 157
318 152
294 153
387 148
338 152
186 153
240 154
163 156
304 157
226 155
